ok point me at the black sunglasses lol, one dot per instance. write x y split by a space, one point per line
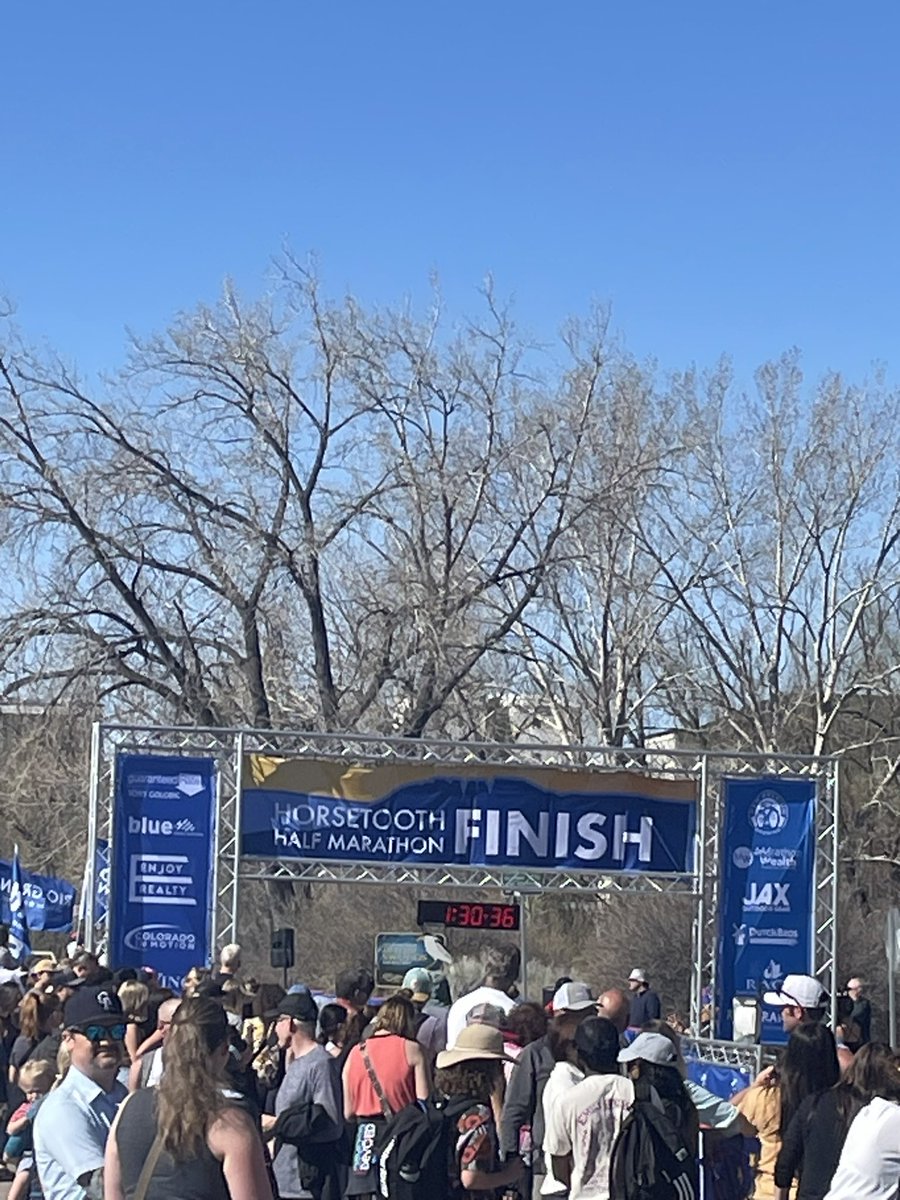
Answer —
103 1033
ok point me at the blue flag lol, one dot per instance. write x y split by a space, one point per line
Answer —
49 902
19 944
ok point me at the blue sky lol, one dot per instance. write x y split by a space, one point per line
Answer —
725 174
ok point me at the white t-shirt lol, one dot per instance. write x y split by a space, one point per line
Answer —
156 1068
460 1009
869 1168
562 1079
584 1123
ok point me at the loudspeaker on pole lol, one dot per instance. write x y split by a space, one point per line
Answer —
283 948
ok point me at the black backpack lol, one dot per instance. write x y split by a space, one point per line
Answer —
416 1151
650 1159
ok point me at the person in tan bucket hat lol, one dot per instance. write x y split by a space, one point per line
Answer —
471 1072
476 1043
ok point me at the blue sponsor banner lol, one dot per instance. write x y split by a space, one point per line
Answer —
766 897
161 895
101 886
49 902
479 815
101 880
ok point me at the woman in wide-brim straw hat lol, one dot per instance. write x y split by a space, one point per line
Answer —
472 1070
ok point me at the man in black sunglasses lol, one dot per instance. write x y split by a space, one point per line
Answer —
72 1124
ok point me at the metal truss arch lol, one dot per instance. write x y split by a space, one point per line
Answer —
228 746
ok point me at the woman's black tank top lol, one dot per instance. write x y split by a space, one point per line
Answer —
199 1178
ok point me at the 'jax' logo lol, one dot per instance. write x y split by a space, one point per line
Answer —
767 897
770 813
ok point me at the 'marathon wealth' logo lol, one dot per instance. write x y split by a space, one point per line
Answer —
768 858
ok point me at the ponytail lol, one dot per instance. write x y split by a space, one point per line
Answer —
190 1093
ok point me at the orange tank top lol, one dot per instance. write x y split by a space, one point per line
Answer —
387 1054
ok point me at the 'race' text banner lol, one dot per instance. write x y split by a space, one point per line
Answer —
482 815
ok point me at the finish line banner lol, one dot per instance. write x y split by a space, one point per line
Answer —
161 897
766 896
478 815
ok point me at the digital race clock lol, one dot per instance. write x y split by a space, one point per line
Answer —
458 914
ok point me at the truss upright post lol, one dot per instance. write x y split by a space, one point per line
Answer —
217 849
238 808
700 907
90 870
835 842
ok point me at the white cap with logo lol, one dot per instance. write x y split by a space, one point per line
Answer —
798 991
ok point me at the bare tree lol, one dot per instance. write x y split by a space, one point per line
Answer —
592 645
776 544
304 512
288 511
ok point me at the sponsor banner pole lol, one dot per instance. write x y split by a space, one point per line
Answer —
93 818
19 940
162 863
890 945
835 816
767 895
523 945
700 967
238 825
214 885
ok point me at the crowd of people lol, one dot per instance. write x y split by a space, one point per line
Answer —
116 1087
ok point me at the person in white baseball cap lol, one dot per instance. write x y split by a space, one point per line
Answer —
524 1107
645 1005
800 998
